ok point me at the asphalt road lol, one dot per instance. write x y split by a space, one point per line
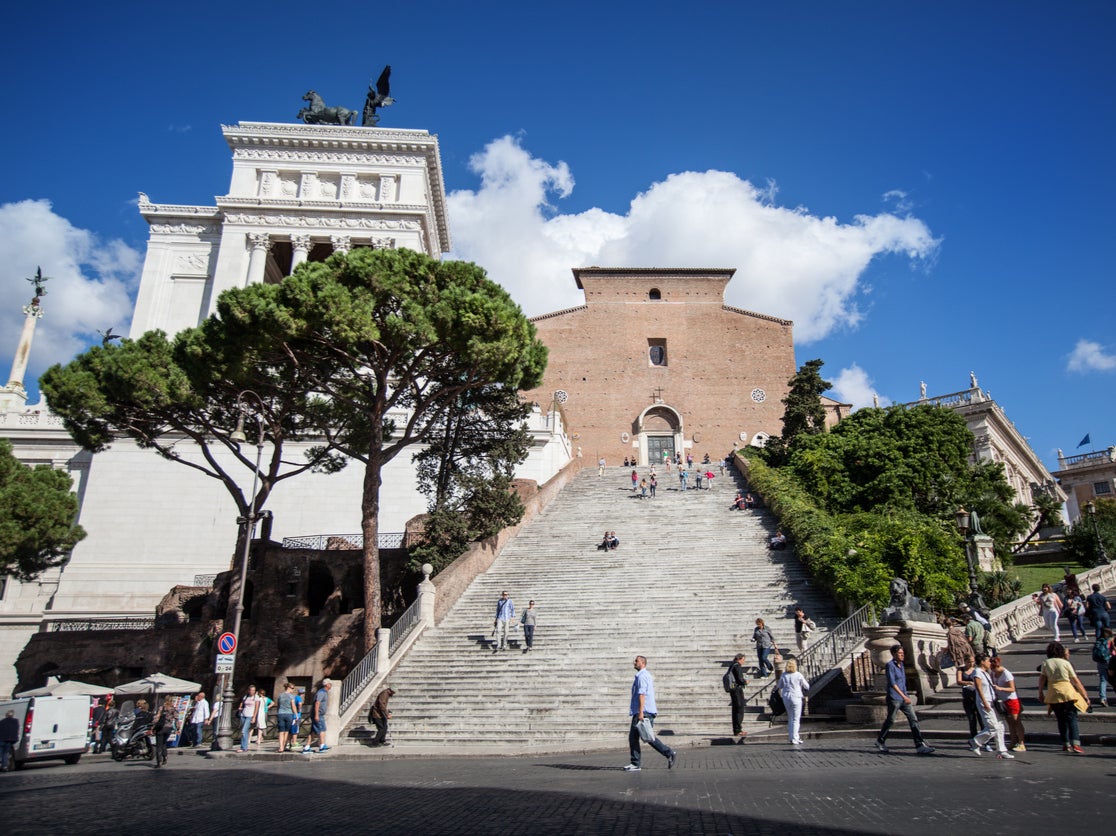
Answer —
821 788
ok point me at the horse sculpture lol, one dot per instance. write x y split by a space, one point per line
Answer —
318 114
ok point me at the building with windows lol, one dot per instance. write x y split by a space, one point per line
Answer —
1086 478
656 364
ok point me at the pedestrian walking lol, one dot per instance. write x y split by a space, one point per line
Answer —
529 619
1103 650
9 739
652 483
248 708
737 682
635 480
380 716
803 627
297 706
199 717
1004 682
1099 609
765 645
166 724
285 716
505 616
1060 688
793 687
986 702
261 717
643 489
681 478
600 467
897 700
1075 615
966 678
643 711
1050 605
318 723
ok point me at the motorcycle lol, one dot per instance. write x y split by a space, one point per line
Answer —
133 739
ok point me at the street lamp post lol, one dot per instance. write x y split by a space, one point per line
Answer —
964 525
1091 508
223 740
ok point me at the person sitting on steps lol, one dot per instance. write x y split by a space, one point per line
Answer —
779 541
609 542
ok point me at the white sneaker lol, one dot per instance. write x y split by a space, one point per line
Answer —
1006 756
632 768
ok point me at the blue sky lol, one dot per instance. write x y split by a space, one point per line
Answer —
925 188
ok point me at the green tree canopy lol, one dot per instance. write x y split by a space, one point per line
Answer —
391 339
1081 538
804 414
38 515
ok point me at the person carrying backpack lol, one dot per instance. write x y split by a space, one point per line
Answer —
734 683
1103 649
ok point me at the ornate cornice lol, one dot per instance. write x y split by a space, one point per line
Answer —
150 210
280 204
731 309
186 229
266 140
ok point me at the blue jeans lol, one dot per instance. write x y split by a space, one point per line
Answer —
245 731
893 708
1077 625
1100 622
199 730
762 664
634 741
6 757
1102 672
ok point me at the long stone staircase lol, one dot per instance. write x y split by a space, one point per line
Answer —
683 589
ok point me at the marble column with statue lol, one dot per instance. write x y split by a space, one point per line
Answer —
13 396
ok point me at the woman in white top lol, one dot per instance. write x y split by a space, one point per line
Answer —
793 687
1051 607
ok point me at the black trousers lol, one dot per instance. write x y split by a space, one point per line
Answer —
737 695
381 724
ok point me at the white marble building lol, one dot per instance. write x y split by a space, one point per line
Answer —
298 193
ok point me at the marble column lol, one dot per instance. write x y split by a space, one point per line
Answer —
260 242
14 395
300 247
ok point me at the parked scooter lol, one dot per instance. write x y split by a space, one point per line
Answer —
134 737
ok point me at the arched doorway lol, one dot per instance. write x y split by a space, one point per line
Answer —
659 430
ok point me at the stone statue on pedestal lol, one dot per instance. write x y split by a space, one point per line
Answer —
904 606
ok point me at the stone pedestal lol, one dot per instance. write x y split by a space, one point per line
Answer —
922 640
985 554
872 708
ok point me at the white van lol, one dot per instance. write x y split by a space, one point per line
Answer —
51 728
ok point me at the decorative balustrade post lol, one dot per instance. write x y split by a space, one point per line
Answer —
428 596
383 648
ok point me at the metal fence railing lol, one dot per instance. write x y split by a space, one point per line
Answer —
367 668
323 542
828 652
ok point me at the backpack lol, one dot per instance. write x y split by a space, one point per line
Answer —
775 703
1101 653
728 681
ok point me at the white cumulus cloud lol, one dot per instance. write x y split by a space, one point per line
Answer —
91 284
853 385
1090 356
790 263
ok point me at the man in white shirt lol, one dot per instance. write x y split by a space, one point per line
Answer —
200 716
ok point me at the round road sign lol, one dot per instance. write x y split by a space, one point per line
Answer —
226 643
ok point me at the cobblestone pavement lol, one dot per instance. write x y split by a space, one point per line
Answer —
821 788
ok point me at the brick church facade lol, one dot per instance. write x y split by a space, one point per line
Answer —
655 362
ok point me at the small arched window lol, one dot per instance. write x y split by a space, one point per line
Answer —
654 295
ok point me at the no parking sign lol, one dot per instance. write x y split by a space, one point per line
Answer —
226 644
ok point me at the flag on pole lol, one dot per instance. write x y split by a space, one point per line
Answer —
1084 441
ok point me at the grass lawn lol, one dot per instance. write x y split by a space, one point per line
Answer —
1035 576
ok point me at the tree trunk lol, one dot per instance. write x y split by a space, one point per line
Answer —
370 524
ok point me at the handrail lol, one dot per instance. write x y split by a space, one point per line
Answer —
367 668
820 658
325 542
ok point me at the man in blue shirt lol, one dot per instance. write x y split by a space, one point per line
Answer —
642 706
897 700
505 616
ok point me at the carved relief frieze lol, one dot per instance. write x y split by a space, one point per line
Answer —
269 180
192 264
185 229
320 222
